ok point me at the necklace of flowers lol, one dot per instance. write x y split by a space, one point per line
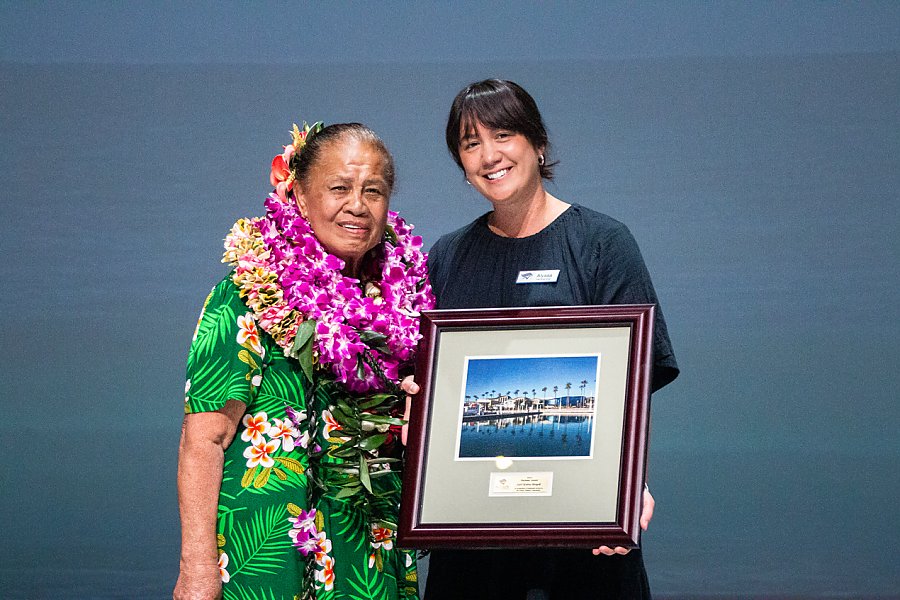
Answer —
295 289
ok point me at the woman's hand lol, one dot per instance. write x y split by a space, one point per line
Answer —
411 388
646 515
198 582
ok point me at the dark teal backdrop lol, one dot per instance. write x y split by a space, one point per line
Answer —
752 149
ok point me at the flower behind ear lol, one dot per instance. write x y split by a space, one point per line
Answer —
281 177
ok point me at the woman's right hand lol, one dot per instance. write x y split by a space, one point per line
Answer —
201 582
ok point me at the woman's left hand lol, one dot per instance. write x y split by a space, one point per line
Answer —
646 515
411 388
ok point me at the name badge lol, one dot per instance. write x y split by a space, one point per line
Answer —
548 276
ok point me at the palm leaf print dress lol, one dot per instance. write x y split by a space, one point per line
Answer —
275 542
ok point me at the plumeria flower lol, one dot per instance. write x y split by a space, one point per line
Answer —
223 573
256 381
261 454
383 537
371 560
409 559
324 547
326 574
248 333
330 423
256 427
187 388
285 433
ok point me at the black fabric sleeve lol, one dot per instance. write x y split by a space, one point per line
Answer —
622 278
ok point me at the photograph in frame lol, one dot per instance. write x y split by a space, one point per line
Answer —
528 407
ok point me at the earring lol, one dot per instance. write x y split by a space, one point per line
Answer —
540 160
468 182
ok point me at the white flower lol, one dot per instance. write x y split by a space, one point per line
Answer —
223 562
326 574
248 334
261 454
284 432
255 427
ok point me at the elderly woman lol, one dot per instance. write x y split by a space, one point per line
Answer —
497 137
287 474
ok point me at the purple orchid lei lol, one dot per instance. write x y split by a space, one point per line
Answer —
287 279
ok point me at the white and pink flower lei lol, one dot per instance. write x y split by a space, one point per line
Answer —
286 277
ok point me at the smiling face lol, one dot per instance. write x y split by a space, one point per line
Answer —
501 164
345 199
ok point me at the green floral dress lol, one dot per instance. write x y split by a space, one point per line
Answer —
274 541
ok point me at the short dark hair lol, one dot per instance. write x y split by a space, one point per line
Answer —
499 104
303 162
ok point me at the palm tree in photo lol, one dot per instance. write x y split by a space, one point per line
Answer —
583 385
568 402
524 408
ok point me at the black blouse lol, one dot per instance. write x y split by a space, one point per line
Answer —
597 258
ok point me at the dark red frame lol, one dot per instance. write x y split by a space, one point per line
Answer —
625 531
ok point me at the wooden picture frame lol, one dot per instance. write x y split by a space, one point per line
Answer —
575 474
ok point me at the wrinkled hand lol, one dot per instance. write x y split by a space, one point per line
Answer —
198 583
646 515
411 388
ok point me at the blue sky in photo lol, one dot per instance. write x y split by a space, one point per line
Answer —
531 373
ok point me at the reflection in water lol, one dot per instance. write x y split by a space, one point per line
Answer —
529 435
